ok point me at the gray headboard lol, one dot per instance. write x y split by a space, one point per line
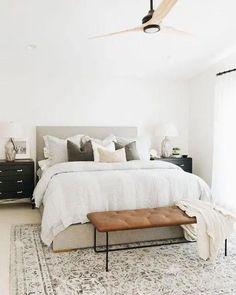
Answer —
67 131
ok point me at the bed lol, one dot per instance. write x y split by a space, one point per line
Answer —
68 191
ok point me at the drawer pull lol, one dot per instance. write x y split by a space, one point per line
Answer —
19 192
0 171
19 170
19 181
0 181
0 193
182 165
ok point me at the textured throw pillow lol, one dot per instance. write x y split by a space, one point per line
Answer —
112 157
130 150
142 143
57 148
104 142
110 148
83 153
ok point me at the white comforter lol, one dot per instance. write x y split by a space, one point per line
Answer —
70 190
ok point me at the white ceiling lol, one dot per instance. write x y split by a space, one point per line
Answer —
60 31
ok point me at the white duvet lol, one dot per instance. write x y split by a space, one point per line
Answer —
69 191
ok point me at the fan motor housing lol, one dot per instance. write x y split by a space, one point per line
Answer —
150 29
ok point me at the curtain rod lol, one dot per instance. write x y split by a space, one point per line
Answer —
225 72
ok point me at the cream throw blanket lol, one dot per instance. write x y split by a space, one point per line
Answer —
214 225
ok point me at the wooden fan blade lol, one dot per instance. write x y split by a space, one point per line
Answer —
171 30
137 29
162 10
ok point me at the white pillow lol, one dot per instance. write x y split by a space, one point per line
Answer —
110 148
44 164
142 143
104 142
56 148
111 157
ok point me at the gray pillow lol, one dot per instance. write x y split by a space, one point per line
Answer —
83 153
130 150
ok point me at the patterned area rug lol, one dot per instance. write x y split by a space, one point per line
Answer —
174 269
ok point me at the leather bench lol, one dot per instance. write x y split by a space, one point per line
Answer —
140 218
109 221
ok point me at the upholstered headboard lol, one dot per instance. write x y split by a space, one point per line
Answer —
67 131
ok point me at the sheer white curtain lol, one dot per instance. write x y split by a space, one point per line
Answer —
224 154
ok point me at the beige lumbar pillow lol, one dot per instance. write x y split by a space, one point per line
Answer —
111 157
109 147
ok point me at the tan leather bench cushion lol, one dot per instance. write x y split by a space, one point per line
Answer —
140 218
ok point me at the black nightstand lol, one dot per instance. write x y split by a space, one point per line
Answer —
17 179
184 163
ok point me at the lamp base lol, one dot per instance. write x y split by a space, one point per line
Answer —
166 148
10 150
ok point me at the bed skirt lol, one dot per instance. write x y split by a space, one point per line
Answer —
81 236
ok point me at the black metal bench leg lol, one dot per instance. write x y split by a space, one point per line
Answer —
33 203
95 246
107 251
226 248
95 240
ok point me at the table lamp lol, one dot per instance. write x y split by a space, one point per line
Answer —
10 130
167 130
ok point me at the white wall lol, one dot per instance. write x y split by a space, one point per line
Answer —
201 123
96 101
109 101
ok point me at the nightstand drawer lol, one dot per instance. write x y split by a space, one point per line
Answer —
184 163
16 178
16 184
179 162
16 193
16 170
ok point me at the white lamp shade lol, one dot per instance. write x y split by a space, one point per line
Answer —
10 129
167 129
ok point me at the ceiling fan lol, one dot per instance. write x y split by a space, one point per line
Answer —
151 23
